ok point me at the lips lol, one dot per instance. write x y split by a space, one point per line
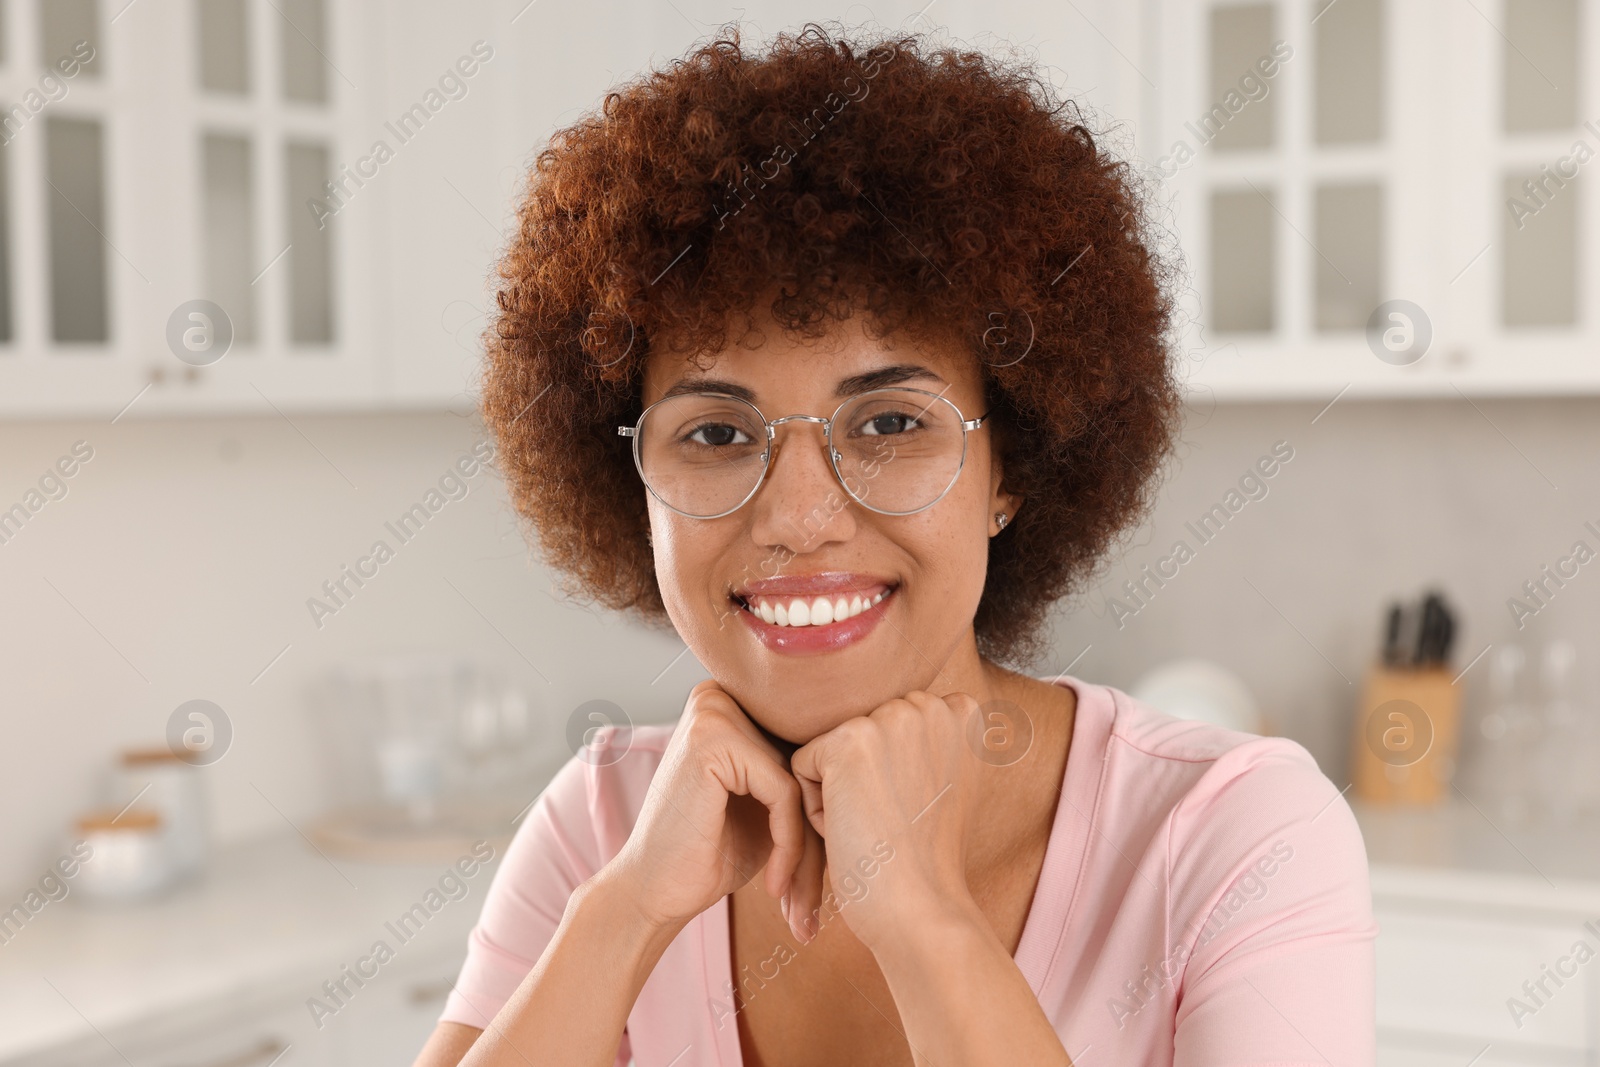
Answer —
810 613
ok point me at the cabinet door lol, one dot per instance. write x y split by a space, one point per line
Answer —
448 192
1292 143
1399 208
392 1018
190 161
1460 981
274 1035
1521 236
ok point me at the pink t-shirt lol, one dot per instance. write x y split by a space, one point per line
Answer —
1203 901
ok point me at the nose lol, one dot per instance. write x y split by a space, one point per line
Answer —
801 505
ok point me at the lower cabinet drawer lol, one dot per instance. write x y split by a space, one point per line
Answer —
1521 988
280 1039
1412 1052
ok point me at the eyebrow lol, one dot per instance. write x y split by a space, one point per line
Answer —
882 378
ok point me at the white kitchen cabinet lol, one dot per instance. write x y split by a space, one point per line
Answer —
385 1023
1447 978
1373 165
191 159
1380 161
1454 950
370 293
200 153
392 1025
220 972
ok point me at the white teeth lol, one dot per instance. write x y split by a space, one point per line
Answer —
819 611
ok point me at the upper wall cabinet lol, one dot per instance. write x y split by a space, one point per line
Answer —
278 205
244 205
1381 196
159 183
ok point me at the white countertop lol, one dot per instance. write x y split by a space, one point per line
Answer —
1455 853
270 919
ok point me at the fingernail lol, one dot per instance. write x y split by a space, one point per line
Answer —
784 904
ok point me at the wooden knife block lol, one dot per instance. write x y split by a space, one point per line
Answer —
1405 737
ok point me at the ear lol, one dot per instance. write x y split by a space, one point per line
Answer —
1001 500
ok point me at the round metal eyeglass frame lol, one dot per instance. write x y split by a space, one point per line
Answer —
967 426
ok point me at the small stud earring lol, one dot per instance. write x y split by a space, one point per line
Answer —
1000 520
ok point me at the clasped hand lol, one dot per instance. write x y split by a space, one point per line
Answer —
876 807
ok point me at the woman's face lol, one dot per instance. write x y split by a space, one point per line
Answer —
801 537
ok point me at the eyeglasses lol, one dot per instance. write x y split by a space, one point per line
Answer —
895 451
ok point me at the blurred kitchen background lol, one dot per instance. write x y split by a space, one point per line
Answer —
224 380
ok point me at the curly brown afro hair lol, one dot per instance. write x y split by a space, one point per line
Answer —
934 190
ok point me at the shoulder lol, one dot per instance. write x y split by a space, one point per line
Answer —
1260 912
1219 800
1233 812
602 787
1201 766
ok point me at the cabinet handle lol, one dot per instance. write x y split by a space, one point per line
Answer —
428 992
268 1050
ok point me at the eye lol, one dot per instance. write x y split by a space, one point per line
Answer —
718 435
887 423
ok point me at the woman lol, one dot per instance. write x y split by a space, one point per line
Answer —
849 360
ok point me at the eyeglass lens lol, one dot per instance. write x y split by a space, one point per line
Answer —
896 451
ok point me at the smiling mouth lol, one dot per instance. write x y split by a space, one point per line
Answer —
799 611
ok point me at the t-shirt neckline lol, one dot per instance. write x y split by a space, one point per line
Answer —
1050 910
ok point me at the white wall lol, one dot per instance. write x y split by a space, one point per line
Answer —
190 548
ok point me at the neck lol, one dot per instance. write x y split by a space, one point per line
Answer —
1026 726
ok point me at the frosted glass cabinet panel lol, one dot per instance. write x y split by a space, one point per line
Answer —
75 172
1428 158
1243 259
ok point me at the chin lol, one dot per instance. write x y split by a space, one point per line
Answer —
796 717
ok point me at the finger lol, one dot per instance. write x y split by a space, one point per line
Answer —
806 888
754 772
806 767
734 712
